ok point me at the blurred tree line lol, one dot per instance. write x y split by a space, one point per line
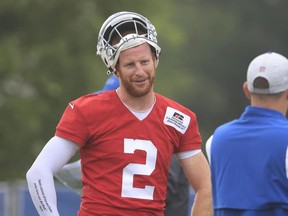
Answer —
47 58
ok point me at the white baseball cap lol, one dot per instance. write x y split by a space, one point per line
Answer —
271 66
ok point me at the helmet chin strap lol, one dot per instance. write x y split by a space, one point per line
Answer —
110 70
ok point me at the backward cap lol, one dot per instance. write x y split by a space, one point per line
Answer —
271 66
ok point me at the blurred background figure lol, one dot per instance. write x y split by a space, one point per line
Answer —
178 195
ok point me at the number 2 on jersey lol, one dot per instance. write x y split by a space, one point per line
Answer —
130 145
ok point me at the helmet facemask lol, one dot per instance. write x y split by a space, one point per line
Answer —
122 31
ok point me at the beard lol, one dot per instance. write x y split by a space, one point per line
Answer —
136 91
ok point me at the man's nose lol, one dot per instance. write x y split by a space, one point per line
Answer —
139 68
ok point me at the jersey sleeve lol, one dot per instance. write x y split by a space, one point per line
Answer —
182 125
72 125
191 140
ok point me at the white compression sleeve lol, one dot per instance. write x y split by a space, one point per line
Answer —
186 154
55 154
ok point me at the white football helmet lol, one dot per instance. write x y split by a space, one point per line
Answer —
140 30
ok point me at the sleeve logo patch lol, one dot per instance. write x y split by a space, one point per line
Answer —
176 119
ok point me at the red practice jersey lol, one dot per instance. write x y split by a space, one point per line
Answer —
125 161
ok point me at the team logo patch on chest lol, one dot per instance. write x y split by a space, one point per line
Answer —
176 119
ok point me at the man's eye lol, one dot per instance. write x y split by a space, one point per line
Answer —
145 62
129 65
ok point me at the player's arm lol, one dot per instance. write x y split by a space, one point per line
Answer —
197 171
55 154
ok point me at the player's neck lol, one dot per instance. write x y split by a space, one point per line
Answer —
279 104
138 104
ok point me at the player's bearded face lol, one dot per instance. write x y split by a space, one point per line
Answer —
136 70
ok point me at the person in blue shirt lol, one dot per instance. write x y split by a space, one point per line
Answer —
249 156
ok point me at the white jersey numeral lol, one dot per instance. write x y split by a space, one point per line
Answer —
130 145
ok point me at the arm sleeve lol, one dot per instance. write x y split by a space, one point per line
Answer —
186 154
55 154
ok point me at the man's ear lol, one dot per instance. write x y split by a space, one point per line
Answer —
155 61
246 91
116 73
286 94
